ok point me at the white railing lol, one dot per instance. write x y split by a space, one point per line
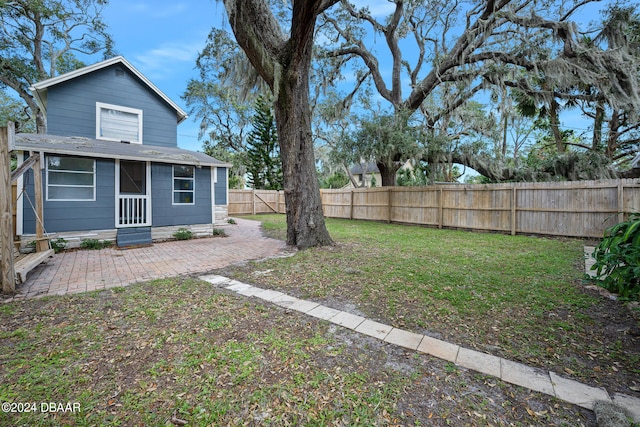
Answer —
134 211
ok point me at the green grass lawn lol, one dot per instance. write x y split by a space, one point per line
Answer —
519 297
180 350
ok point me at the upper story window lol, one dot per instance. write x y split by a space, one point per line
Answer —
116 123
71 178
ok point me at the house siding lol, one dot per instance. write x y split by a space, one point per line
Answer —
165 213
71 106
220 187
61 216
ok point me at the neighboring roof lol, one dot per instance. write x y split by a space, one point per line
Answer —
635 163
40 89
370 167
78 146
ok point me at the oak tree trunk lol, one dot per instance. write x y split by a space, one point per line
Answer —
284 64
305 218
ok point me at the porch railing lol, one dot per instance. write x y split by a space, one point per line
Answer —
133 211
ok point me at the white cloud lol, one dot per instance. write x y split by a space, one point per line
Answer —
167 59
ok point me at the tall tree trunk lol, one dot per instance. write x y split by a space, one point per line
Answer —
555 126
388 174
614 133
597 127
305 219
284 64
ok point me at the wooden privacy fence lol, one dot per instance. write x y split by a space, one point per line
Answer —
573 209
252 202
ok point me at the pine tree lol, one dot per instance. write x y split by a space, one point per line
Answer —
264 168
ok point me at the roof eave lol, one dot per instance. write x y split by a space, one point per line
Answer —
42 86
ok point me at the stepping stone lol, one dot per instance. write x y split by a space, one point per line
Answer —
374 329
481 362
267 294
347 320
630 404
577 393
438 348
526 376
303 306
214 279
322 312
404 339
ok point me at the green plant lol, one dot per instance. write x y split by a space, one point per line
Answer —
58 245
231 221
95 244
183 234
618 258
218 232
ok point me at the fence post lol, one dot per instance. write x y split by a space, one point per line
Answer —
389 204
513 210
253 201
7 272
440 210
351 204
620 201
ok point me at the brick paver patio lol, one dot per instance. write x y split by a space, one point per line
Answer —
87 270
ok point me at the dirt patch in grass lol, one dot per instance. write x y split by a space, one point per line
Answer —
178 351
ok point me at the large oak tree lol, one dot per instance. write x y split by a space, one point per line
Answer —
41 38
461 48
284 62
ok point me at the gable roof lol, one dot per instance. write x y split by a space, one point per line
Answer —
370 167
87 147
40 89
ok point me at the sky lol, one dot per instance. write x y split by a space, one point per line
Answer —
162 39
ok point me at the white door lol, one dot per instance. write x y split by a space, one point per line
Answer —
133 193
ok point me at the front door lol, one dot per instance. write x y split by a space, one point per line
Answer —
133 198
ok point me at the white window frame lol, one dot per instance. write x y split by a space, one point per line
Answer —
173 186
93 187
101 105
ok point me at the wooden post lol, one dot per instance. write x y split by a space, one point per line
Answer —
620 201
41 242
253 201
440 210
7 271
351 204
389 204
513 211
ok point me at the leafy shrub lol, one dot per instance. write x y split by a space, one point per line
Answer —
95 244
183 234
231 221
58 245
618 258
218 232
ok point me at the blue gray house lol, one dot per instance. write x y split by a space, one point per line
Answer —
111 166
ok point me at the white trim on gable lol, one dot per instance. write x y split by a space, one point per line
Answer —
40 89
